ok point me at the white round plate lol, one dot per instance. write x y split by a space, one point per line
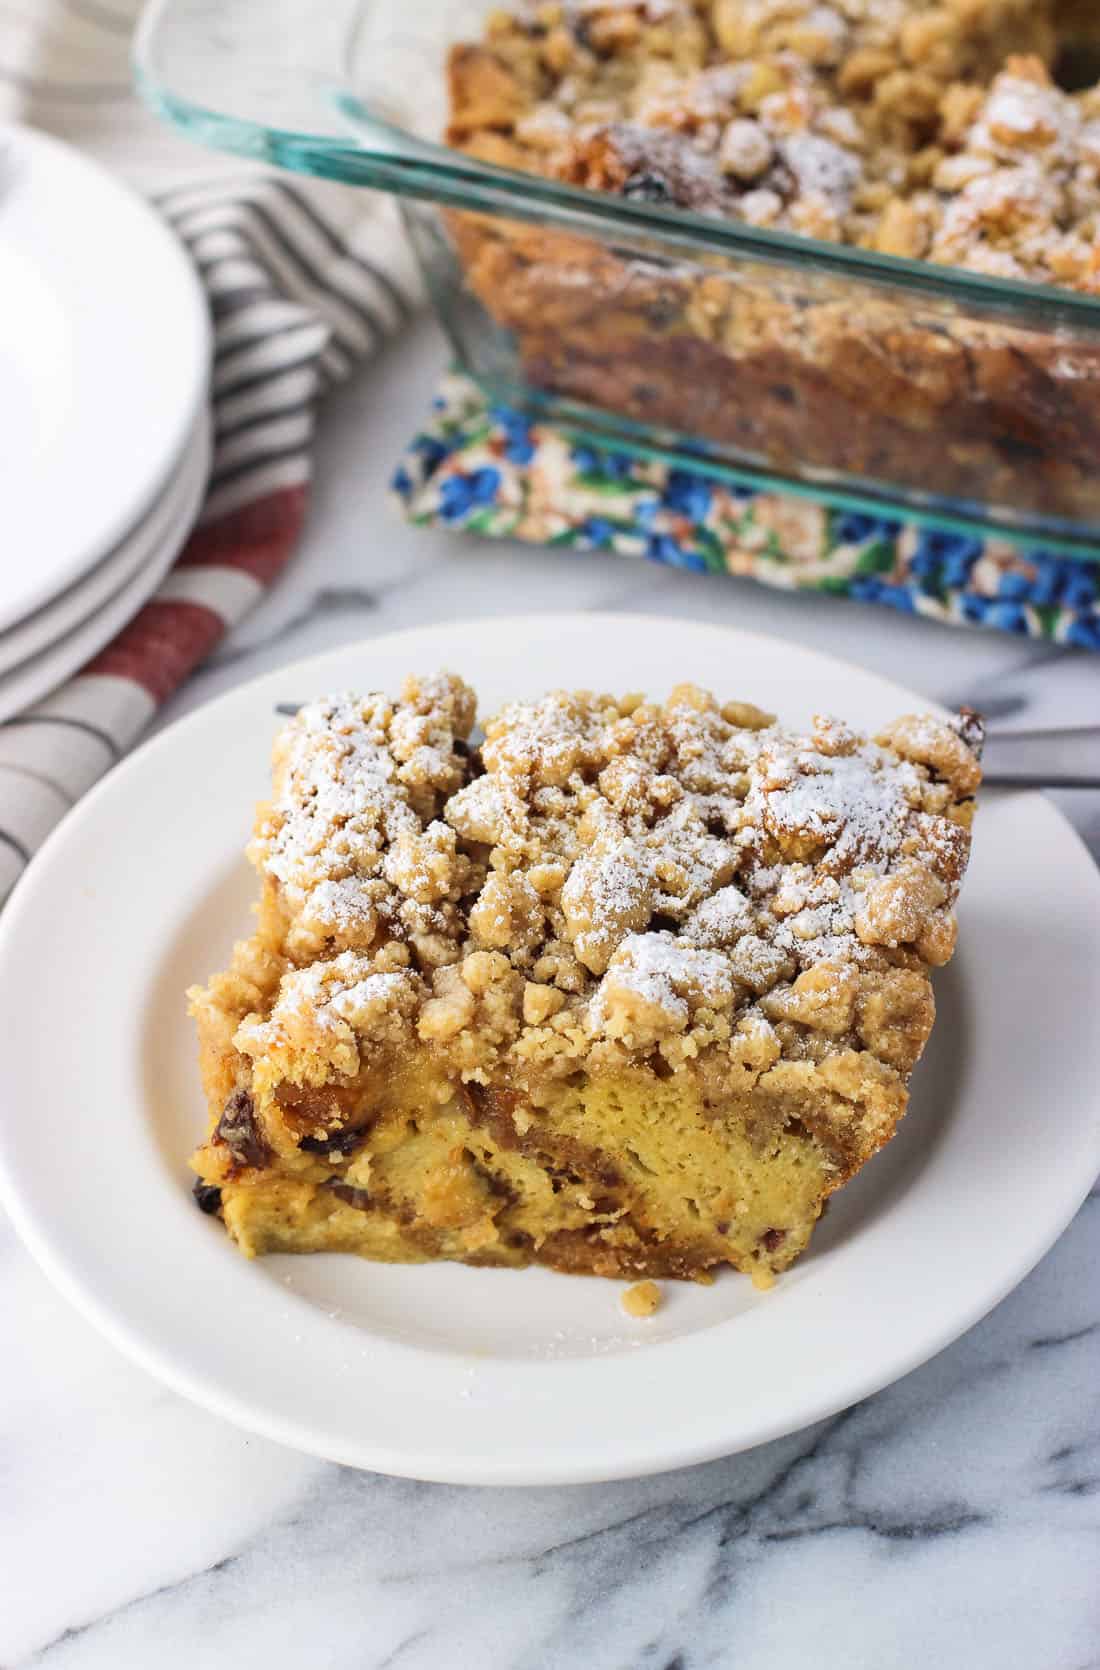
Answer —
104 363
161 539
80 601
506 1377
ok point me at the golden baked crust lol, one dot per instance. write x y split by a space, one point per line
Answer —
630 988
926 129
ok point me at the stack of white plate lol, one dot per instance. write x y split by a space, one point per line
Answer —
104 433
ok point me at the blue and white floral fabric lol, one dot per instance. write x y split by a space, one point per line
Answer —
489 470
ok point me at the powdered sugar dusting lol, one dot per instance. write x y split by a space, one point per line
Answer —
857 804
667 972
610 872
339 802
354 777
719 920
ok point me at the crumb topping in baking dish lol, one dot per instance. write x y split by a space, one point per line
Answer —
930 129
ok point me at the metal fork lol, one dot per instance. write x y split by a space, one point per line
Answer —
1067 759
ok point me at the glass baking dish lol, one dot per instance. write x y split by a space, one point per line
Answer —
867 381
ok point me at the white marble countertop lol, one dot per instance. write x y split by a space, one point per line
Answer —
953 1520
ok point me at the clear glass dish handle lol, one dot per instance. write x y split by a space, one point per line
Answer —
284 81
332 90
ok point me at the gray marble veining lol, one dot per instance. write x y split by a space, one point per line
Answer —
951 1521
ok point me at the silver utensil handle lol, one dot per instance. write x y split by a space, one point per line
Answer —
1068 759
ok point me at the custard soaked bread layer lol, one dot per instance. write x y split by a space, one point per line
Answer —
629 989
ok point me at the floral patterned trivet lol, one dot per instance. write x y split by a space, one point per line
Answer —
489 470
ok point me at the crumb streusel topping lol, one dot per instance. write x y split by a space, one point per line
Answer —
603 879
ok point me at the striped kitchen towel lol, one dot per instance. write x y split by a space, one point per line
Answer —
303 286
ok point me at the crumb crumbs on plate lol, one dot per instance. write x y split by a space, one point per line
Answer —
643 1299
